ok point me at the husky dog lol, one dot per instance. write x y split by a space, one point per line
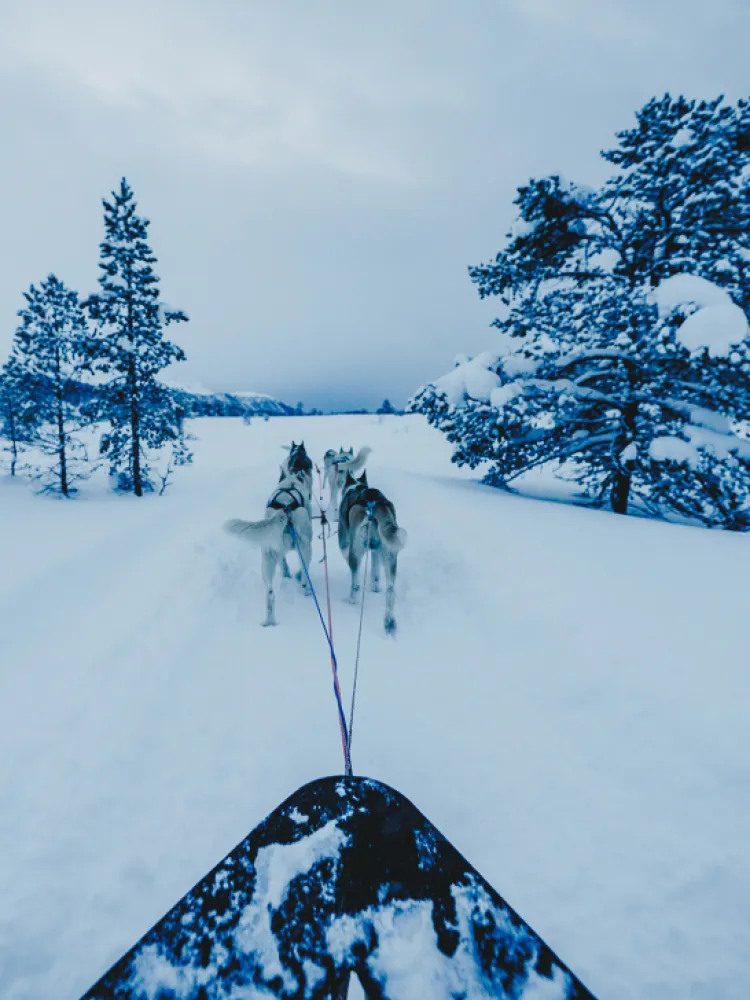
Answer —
336 465
367 520
298 461
287 515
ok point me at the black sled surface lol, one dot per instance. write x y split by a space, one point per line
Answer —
345 876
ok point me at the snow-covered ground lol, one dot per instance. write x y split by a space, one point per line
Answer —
566 700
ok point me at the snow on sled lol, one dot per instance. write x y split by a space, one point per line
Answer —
344 877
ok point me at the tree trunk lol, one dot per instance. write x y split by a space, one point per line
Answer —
622 478
135 433
135 416
13 441
64 489
620 493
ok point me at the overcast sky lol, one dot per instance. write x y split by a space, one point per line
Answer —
319 174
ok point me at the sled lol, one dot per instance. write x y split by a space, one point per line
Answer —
345 877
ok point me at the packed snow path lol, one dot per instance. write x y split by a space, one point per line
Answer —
566 700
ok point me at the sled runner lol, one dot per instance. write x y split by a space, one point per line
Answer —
346 876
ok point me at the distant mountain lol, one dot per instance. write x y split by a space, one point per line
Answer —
200 402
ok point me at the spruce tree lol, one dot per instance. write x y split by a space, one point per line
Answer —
131 348
16 416
50 350
386 408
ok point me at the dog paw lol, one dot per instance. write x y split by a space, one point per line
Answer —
375 588
390 626
270 624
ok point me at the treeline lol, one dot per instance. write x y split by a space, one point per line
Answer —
77 362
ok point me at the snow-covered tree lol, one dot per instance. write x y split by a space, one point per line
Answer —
625 317
17 424
386 408
131 348
49 352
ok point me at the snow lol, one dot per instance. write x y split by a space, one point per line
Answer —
505 394
718 324
688 288
719 328
276 866
517 364
565 699
711 432
683 137
474 378
194 388
668 448
409 964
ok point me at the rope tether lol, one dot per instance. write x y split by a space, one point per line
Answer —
334 664
370 514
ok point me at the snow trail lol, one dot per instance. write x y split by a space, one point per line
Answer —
564 700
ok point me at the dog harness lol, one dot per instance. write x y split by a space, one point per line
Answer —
294 499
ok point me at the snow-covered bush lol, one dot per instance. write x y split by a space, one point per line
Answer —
625 325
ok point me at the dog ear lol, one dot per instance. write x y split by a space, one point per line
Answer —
349 481
363 478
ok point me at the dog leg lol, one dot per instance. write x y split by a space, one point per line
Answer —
285 569
375 582
270 562
334 501
306 545
354 561
390 562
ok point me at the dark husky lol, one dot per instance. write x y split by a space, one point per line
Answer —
298 462
367 520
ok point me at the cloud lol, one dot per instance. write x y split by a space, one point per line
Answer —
268 97
319 176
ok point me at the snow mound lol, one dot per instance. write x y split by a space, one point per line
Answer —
474 378
718 328
698 441
717 325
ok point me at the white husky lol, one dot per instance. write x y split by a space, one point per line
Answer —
336 465
288 518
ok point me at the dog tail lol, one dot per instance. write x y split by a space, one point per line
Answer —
393 537
270 529
358 461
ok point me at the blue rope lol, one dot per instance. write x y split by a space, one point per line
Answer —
336 691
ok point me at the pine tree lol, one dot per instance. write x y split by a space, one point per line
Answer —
130 347
17 424
50 350
386 408
598 372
